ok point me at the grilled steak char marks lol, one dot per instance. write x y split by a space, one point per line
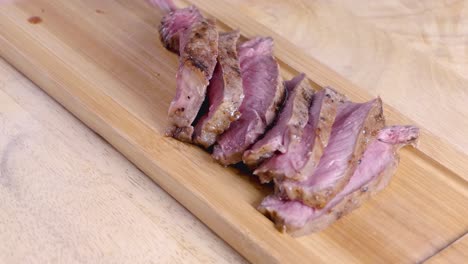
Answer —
175 23
302 156
198 53
378 164
289 126
264 92
225 92
355 126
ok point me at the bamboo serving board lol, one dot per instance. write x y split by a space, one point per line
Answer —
102 61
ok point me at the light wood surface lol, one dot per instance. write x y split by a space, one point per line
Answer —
455 253
109 70
69 197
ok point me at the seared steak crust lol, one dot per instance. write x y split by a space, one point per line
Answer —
225 93
355 126
373 174
264 92
199 50
302 156
174 23
290 124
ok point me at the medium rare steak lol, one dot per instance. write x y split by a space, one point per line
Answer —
264 92
355 126
198 53
302 156
290 124
175 22
378 164
225 93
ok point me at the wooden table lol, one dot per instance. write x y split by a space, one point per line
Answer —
67 196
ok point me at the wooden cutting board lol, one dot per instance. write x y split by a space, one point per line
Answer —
103 62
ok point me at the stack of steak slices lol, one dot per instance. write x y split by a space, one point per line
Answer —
324 153
344 155
376 167
197 40
264 92
225 92
303 153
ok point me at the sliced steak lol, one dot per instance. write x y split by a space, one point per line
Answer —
354 127
377 167
264 92
302 156
290 124
198 53
175 22
225 93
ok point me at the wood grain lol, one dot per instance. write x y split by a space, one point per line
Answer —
69 197
453 254
110 71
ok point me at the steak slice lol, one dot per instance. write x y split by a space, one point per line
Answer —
225 93
175 22
378 165
264 92
198 53
355 125
290 124
302 156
